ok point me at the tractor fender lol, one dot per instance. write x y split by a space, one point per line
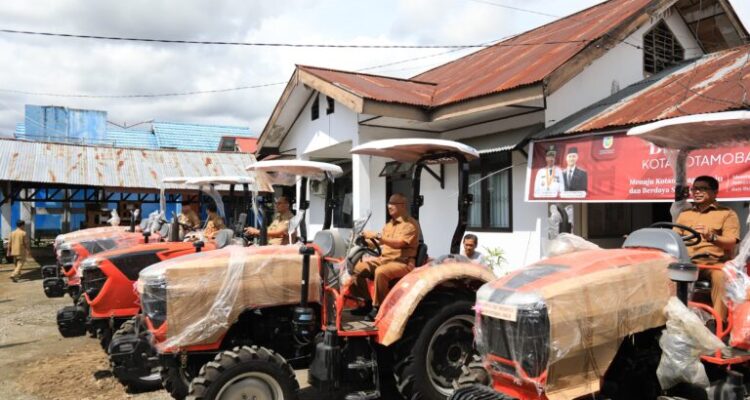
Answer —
406 295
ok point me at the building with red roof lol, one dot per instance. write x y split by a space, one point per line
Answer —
494 99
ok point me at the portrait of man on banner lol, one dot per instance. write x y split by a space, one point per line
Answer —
549 179
575 179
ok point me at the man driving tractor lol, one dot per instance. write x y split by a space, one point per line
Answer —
719 227
278 231
399 241
188 217
214 222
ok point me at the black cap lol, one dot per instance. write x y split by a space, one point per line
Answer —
573 150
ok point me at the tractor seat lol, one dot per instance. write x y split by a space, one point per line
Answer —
223 238
421 254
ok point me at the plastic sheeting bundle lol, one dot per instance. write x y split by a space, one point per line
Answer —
115 219
682 344
737 287
85 233
566 243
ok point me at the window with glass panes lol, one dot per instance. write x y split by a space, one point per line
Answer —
490 184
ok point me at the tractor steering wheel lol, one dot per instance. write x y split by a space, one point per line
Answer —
370 246
690 240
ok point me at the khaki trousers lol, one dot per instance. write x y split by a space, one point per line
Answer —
382 272
716 276
19 261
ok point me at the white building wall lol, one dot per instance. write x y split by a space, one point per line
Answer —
308 139
524 245
620 67
307 136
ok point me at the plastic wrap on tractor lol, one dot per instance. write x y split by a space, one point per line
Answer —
206 292
555 326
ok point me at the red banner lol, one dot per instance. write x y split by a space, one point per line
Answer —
617 167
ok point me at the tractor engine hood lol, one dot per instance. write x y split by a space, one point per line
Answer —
558 324
204 293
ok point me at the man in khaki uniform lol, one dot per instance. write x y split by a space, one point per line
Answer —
720 232
188 217
278 231
398 242
215 222
18 247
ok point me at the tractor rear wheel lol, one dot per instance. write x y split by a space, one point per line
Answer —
246 372
436 353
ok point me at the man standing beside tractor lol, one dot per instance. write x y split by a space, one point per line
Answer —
719 227
399 242
18 248
278 230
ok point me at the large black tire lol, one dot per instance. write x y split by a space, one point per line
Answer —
437 350
141 384
479 392
105 338
246 372
176 380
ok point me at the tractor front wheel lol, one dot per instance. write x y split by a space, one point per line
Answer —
146 383
436 353
245 373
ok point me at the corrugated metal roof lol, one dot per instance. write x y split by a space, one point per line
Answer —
381 88
110 167
530 60
523 60
142 139
194 137
713 83
564 126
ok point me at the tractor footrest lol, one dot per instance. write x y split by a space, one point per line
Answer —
363 364
477 392
364 395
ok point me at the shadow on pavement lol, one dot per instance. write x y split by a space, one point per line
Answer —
9 345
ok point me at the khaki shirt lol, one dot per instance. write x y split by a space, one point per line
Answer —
215 224
189 218
718 219
402 228
18 244
280 221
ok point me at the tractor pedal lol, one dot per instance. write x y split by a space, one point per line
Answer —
364 395
363 364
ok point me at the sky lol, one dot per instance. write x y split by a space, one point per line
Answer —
41 64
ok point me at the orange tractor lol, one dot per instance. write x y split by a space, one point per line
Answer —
423 333
196 305
590 324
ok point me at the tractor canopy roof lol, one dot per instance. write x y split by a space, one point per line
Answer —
276 170
697 131
413 150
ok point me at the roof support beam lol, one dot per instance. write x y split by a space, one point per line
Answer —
343 96
491 102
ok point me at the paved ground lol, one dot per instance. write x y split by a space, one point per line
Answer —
36 363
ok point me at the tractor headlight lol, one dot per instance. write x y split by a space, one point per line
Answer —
92 277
